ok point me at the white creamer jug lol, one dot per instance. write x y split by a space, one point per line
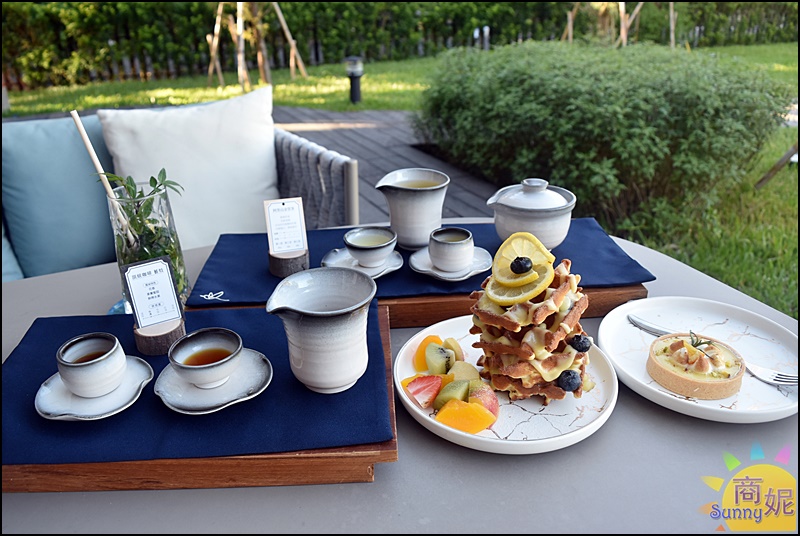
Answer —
324 312
416 198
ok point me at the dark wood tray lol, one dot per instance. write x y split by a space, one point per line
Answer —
317 466
423 311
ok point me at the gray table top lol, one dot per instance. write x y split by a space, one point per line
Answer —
641 472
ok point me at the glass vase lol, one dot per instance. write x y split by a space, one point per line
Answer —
144 229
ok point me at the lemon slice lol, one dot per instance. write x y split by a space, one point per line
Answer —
523 245
505 295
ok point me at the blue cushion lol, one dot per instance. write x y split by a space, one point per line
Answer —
54 206
11 269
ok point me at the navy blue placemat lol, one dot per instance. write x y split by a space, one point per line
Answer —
237 271
285 417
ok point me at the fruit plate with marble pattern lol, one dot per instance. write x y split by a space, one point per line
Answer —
523 426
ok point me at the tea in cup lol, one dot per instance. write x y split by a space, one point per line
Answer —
370 246
451 249
206 358
92 364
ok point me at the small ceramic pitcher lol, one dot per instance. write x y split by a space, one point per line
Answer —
416 198
324 312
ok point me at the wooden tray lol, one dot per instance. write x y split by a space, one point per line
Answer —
318 466
423 311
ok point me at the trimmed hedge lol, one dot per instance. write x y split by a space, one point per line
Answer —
632 132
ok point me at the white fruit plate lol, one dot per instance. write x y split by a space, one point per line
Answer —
523 426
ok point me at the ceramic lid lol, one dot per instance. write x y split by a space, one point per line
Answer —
531 194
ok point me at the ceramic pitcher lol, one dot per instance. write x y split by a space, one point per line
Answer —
324 312
416 198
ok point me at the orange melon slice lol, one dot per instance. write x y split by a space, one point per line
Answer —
470 417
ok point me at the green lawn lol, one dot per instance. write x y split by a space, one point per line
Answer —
778 61
391 85
754 250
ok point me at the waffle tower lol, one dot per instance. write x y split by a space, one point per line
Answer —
527 346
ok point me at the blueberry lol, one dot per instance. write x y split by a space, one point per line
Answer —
581 343
569 380
521 265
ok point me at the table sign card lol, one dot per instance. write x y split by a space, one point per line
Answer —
150 287
286 233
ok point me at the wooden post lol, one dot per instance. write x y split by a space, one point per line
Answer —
778 166
241 66
672 18
570 21
234 37
628 22
263 60
293 55
214 61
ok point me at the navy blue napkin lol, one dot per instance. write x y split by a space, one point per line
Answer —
237 271
285 417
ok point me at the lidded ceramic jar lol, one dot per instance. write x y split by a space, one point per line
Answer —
533 206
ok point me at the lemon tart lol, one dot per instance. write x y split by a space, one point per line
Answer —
695 366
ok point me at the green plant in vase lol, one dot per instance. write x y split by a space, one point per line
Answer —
145 228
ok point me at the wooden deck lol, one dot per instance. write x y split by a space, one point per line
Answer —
382 141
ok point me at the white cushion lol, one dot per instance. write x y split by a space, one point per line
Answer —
222 153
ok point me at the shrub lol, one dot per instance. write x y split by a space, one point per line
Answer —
635 133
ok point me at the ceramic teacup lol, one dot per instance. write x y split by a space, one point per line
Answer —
207 357
451 249
370 246
92 364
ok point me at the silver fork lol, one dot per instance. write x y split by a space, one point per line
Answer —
772 377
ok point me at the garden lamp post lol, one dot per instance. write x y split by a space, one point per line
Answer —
354 68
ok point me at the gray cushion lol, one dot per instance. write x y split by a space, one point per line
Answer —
11 269
54 206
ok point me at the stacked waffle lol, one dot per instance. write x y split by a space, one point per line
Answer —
535 347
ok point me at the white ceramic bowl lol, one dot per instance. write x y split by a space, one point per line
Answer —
92 364
535 207
370 246
207 357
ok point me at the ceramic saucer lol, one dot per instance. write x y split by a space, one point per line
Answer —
420 261
54 401
342 258
248 381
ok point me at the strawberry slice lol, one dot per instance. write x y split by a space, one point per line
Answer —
424 389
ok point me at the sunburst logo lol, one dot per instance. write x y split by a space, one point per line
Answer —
758 497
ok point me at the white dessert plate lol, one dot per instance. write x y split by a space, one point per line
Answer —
420 261
523 426
342 258
248 381
756 338
54 401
